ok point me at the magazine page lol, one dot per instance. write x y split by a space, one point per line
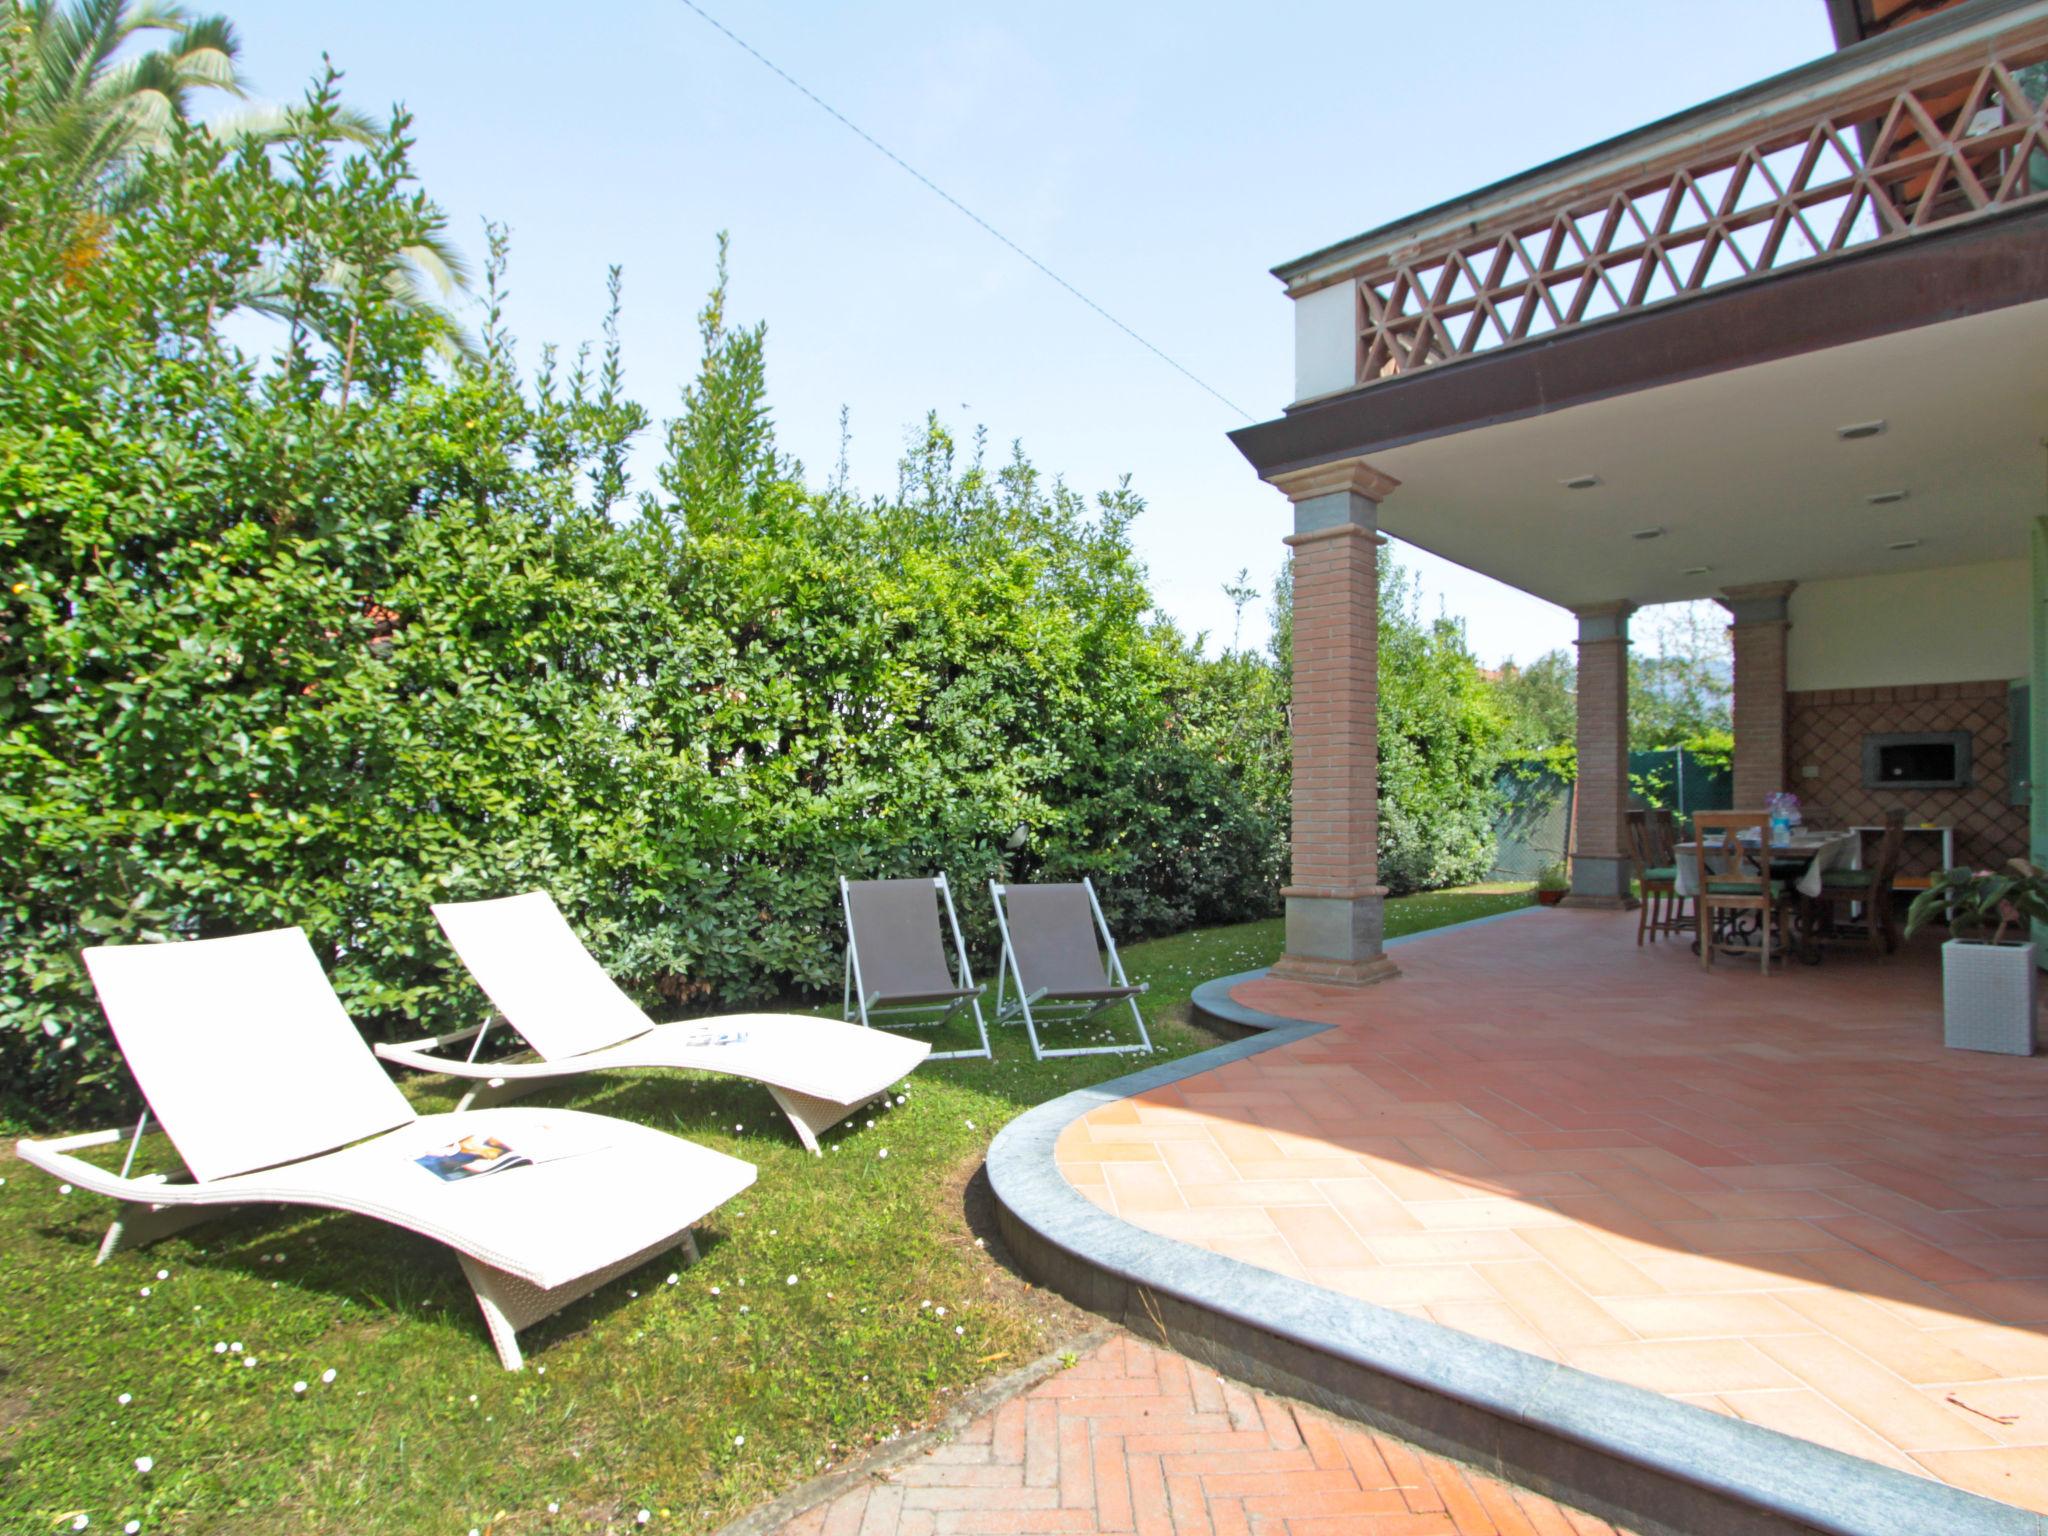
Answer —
479 1152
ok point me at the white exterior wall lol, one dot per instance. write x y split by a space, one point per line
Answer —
1325 341
1949 624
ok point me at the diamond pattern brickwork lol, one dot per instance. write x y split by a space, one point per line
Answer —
1826 731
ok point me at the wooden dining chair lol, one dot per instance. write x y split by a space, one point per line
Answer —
1746 884
1656 880
1870 888
1664 835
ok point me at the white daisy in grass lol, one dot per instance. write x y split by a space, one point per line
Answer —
327 1376
145 1465
125 1399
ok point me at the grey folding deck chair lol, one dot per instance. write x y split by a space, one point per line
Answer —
271 1098
896 958
1050 935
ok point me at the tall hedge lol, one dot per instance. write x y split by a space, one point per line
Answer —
305 625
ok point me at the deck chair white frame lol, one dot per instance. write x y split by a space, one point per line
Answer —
857 1002
1027 1006
270 1097
553 996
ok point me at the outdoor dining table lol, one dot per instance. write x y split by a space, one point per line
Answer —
1818 851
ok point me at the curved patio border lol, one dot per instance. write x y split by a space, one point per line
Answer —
1633 1457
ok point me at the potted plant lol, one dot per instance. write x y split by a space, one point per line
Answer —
1553 885
1988 980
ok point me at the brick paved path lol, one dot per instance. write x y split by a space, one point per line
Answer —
1134 1438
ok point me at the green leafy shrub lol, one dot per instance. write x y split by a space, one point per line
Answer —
324 633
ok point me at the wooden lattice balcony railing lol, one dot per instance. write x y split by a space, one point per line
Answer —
1853 153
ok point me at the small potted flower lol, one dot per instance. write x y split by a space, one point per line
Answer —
1553 885
1988 981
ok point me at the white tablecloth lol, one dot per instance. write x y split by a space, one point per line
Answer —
1842 850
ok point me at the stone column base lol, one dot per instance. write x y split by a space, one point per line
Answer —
1600 885
1334 938
1334 973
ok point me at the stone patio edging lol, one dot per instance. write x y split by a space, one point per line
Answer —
1654 1465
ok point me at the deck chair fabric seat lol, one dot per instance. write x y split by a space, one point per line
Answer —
269 1095
1058 950
896 957
551 991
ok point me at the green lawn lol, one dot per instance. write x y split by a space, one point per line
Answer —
692 1400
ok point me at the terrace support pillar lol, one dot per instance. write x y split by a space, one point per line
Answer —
1600 863
1335 902
1759 627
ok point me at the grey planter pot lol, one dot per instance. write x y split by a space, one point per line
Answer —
1988 994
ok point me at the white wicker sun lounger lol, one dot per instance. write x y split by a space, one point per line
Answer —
270 1096
549 989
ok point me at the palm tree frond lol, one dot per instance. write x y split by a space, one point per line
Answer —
267 123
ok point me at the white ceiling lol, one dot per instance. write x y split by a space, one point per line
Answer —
1744 471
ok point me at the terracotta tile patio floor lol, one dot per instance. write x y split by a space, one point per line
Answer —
1779 1198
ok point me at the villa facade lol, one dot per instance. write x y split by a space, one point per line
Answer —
1787 350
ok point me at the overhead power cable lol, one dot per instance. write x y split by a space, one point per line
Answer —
910 170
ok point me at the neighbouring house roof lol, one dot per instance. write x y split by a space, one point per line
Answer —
1856 21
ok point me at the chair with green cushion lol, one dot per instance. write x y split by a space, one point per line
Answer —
1739 885
1656 881
1843 891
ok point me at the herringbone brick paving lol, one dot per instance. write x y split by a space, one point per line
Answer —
1778 1198
1134 1438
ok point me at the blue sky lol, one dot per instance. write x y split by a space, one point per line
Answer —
1161 157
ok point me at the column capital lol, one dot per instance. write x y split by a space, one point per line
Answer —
1758 602
1334 478
1604 621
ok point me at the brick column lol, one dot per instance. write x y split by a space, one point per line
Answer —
1600 865
1759 631
1335 901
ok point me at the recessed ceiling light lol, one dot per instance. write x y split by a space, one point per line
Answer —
1647 533
1696 570
1580 482
1904 544
1885 498
1860 429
